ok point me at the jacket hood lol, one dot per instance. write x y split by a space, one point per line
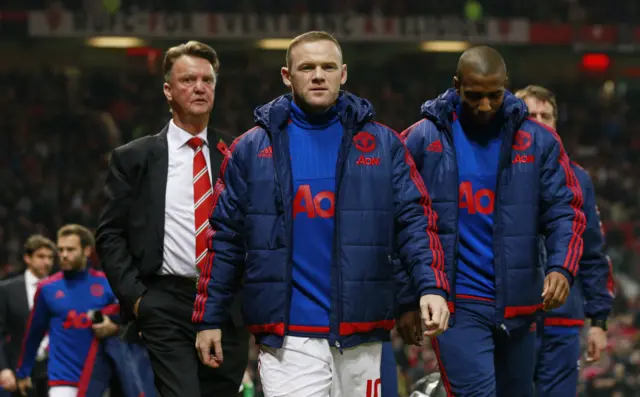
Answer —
440 110
352 110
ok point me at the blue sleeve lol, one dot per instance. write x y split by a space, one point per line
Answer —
417 241
406 297
113 306
220 277
562 219
414 139
595 269
37 327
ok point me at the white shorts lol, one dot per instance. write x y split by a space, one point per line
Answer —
63 391
309 367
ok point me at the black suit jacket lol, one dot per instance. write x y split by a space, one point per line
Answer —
14 315
130 236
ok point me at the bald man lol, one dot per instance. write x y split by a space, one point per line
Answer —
496 180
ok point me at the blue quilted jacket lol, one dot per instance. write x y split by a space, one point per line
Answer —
536 193
592 292
381 207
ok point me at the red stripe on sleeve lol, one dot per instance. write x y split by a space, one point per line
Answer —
435 245
205 273
578 226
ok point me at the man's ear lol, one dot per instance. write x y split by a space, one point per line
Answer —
286 76
343 80
166 88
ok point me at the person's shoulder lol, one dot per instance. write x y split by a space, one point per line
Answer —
380 128
53 281
136 146
424 126
12 279
584 178
248 139
98 274
541 133
141 144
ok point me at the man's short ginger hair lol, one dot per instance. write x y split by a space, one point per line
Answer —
84 234
310 37
540 93
193 49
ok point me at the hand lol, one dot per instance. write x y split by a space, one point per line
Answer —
435 314
207 340
410 328
556 290
596 343
8 380
105 329
136 306
24 385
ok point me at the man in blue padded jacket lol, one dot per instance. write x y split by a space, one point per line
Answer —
497 181
310 207
558 344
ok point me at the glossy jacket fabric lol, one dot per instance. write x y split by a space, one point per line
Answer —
381 207
593 291
536 193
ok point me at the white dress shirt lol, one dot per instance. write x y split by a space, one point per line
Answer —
179 256
31 283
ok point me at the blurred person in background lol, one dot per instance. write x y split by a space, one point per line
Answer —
62 304
558 341
495 179
153 231
311 205
16 300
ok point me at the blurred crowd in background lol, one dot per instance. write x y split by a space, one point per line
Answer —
594 11
57 128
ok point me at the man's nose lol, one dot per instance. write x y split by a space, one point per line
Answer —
199 85
318 74
484 105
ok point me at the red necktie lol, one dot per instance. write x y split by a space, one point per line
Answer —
202 199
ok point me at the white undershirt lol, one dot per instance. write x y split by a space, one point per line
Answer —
179 256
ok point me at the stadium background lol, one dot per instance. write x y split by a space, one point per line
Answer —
67 99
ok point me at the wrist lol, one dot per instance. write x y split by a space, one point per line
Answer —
564 272
599 323
434 291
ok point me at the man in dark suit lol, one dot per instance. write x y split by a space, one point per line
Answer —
153 229
16 300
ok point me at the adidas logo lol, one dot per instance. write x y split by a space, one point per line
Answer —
435 146
266 153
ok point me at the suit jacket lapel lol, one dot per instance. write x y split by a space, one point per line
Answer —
21 295
158 170
215 154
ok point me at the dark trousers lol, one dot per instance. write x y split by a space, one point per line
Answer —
478 359
164 318
558 361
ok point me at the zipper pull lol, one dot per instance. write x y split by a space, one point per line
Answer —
505 329
339 347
